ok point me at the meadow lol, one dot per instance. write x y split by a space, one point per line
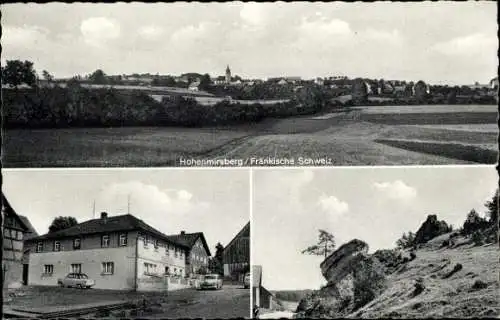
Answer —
110 147
389 135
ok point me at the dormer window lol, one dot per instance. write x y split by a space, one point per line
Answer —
105 241
76 244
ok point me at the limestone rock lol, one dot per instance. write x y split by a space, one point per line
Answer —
430 229
354 278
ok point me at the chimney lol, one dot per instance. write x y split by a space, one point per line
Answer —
104 215
183 232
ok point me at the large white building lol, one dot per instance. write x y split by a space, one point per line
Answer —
119 252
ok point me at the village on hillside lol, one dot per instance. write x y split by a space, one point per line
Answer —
208 90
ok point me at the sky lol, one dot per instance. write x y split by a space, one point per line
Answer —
373 204
441 43
215 202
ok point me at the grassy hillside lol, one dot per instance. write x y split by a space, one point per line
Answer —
428 287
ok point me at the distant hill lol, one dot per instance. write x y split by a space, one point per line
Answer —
291 295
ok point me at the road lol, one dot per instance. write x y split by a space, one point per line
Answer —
229 302
232 301
277 315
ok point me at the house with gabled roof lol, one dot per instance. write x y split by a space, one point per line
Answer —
13 231
236 255
118 252
198 252
262 297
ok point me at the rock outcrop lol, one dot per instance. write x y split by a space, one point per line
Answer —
354 279
430 229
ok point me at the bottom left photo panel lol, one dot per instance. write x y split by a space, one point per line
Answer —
123 243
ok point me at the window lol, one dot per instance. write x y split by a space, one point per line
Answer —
123 239
19 235
48 269
76 268
167 250
76 244
108 267
156 242
39 247
146 241
57 246
167 270
149 268
105 241
176 253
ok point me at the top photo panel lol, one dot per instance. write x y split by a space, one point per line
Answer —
249 84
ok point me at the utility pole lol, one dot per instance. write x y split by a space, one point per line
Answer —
128 203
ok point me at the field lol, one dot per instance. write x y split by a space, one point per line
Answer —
389 135
114 147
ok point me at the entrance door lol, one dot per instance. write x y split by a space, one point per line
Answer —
25 274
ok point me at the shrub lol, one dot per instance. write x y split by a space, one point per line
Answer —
102 313
413 256
419 287
479 284
445 243
456 268
478 238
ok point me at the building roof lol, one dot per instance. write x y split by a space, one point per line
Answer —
189 239
119 223
9 211
30 232
243 230
256 276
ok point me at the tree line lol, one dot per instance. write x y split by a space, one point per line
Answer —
76 106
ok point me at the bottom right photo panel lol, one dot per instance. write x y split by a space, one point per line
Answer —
400 242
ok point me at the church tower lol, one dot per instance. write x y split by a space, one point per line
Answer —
228 75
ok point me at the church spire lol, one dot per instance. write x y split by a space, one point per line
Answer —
228 75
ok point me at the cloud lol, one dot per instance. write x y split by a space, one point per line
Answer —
468 45
323 28
392 37
333 206
254 13
24 36
151 32
397 190
96 31
146 198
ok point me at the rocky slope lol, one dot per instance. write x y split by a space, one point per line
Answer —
436 280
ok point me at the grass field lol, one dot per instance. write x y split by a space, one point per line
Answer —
428 135
443 296
115 147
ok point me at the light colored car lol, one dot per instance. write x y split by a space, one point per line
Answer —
77 280
246 281
211 281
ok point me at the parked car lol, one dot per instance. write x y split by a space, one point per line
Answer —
78 280
211 281
246 281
